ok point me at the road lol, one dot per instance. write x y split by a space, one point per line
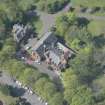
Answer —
32 99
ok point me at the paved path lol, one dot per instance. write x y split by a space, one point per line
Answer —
93 17
48 20
32 99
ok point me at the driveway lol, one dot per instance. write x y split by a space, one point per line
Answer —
48 20
32 99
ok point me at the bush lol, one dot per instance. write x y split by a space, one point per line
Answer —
52 6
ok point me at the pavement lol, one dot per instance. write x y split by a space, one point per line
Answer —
32 99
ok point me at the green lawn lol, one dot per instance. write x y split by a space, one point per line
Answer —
39 26
89 3
99 14
96 27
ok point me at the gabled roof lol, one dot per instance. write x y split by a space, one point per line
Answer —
54 57
46 41
40 42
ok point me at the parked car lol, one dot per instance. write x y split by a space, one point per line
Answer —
46 103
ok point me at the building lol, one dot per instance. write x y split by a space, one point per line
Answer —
21 31
51 51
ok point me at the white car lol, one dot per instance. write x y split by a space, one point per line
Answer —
17 82
20 84
46 103
39 98
28 47
31 92
22 58
26 88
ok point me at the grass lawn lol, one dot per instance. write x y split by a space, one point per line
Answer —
96 27
39 26
99 14
89 3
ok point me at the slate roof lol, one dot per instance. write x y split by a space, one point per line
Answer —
47 41
54 57
50 44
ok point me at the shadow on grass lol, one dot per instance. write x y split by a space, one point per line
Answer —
99 41
82 21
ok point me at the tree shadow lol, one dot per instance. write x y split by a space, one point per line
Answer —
29 17
16 92
60 39
57 81
99 41
82 21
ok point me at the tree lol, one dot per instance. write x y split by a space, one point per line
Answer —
29 76
39 85
49 90
7 52
14 67
85 65
83 96
70 80
13 9
57 99
71 83
52 6
75 44
26 4
5 89
45 88
99 87
63 23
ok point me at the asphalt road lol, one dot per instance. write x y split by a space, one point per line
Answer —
32 99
